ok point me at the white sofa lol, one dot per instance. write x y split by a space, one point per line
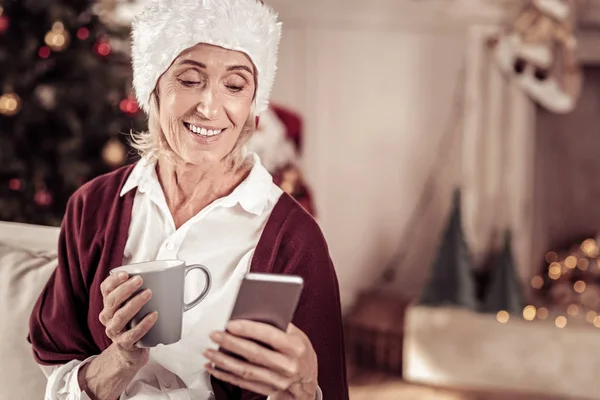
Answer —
27 258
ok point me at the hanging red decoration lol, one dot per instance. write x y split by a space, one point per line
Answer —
44 52
102 47
4 23
43 198
129 106
83 33
14 184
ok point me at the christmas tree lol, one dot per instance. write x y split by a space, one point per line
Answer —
451 280
66 104
504 292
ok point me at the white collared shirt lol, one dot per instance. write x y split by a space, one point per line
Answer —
221 237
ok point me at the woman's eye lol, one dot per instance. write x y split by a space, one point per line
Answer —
235 88
189 83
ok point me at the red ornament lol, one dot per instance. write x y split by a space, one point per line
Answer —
4 23
129 106
44 52
14 184
83 33
42 198
102 47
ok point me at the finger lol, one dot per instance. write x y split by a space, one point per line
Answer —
120 294
247 371
255 353
124 314
239 382
267 334
111 282
129 338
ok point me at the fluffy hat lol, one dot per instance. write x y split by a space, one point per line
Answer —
165 28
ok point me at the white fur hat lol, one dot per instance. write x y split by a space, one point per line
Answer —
165 28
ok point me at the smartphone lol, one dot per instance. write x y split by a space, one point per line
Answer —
268 298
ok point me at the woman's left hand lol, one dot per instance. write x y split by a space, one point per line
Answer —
289 371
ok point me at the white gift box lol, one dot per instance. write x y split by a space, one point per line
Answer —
456 347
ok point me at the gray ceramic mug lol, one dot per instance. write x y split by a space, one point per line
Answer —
166 280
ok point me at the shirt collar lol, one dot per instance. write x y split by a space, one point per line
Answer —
253 194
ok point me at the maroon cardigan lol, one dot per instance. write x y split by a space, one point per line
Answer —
64 324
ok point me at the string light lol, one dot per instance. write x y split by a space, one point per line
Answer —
590 248
102 47
114 153
502 317
83 33
129 105
44 52
10 104
529 313
57 38
537 282
551 257
14 184
579 286
570 285
571 262
583 264
554 271
590 316
42 198
573 310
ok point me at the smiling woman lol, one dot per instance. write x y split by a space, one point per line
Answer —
203 71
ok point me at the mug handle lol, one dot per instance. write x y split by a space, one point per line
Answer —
201 296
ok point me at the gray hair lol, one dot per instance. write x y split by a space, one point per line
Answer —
152 144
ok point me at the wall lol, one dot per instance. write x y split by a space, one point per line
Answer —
375 82
566 184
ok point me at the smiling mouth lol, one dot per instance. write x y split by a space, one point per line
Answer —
199 131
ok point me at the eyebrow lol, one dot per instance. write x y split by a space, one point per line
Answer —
230 68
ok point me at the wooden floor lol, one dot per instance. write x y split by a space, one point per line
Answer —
378 386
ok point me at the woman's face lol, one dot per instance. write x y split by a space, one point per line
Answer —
204 101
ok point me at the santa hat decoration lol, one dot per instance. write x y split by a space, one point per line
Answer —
271 142
538 51
165 28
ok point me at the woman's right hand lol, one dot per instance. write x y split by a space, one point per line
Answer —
118 311
107 376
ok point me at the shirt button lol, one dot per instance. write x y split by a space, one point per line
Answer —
170 246
167 384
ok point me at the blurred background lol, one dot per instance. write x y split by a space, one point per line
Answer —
447 148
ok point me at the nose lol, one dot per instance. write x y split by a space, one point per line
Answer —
208 104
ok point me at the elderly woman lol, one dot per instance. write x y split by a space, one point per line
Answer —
203 70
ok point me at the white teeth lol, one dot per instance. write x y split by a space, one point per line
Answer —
204 131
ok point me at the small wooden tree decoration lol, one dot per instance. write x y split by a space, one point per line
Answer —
451 280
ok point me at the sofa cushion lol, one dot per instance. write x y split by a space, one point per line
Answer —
29 236
23 274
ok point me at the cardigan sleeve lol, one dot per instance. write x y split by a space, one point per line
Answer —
319 312
301 250
58 330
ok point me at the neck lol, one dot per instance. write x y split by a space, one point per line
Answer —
189 188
